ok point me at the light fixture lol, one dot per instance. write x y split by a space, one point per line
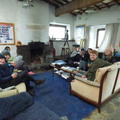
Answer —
28 3
107 1
90 11
75 11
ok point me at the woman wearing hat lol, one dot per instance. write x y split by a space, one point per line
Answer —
8 77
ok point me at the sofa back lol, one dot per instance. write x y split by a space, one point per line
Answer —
109 82
111 75
117 87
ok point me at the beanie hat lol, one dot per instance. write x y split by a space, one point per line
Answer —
6 52
2 56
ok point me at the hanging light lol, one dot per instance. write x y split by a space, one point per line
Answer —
28 3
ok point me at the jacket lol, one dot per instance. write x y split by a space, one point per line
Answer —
98 63
5 73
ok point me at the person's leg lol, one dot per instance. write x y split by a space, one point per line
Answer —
27 78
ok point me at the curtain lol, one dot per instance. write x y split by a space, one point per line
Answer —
117 42
110 38
87 32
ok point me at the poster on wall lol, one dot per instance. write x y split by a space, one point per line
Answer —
7 35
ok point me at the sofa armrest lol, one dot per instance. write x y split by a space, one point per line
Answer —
13 90
92 83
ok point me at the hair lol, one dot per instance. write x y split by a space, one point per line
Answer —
7 48
89 49
110 52
82 49
94 52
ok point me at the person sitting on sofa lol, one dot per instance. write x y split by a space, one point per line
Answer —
8 57
9 77
84 59
74 56
108 55
96 63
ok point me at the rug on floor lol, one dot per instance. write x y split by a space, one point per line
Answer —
55 95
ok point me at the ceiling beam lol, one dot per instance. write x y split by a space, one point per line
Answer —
52 2
117 1
66 1
75 4
106 4
60 2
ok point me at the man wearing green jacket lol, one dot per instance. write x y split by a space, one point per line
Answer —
96 63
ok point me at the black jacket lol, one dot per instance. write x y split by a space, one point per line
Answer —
5 73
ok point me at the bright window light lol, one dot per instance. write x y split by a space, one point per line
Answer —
100 37
57 32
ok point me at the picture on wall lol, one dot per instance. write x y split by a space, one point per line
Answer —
7 34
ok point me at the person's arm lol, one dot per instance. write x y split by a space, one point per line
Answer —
8 77
5 79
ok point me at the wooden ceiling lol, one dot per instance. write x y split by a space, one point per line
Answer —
76 7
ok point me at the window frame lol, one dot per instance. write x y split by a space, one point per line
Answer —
98 30
57 25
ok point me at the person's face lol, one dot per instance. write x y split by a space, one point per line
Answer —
82 52
7 57
77 49
108 52
2 61
93 56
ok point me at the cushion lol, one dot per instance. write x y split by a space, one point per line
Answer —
10 106
13 90
37 111
101 71
21 87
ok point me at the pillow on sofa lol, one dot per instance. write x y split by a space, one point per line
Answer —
13 90
10 106
101 71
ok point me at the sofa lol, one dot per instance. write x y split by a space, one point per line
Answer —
12 90
17 104
99 91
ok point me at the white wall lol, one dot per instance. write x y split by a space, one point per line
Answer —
102 17
105 16
31 24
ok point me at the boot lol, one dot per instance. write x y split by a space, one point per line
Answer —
31 92
38 82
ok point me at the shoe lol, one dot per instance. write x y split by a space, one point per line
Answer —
32 92
38 82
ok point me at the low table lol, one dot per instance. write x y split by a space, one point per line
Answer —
65 69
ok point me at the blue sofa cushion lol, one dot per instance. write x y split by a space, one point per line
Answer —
10 106
37 112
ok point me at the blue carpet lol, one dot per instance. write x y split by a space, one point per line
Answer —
54 94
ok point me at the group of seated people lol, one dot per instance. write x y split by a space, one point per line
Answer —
89 61
14 71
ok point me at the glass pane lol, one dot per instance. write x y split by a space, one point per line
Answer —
100 37
57 32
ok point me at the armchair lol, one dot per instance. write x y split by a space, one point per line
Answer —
97 92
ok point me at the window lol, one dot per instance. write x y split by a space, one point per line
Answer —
100 36
57 32
80 33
